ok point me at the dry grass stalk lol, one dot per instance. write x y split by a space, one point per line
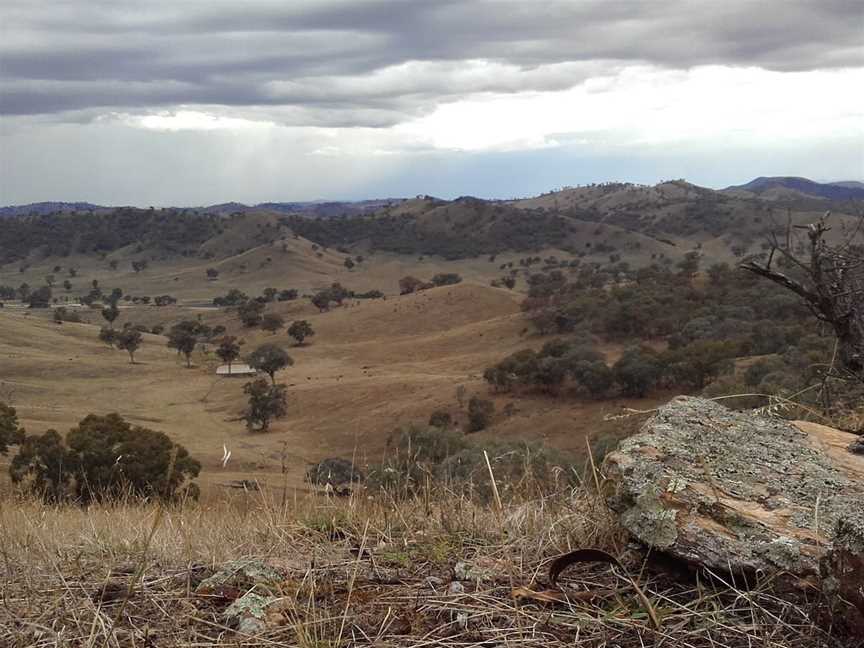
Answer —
362 572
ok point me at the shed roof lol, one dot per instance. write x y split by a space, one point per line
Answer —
237 369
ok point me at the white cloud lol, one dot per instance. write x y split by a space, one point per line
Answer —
181 120
649 106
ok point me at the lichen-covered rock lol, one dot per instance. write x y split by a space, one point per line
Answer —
738 492
249 613
243 575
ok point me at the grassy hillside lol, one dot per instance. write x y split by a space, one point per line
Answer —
372 366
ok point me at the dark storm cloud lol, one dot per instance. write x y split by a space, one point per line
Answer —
375 63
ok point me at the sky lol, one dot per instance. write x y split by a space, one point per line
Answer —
193 102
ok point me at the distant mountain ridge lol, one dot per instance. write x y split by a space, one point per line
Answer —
321 208
768 187
601 223
779 186
47 207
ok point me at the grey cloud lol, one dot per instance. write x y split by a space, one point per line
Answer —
342 63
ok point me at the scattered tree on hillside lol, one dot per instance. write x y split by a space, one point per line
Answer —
103 458
272 322
212 274
408 285
63 314
269 294
250 312
300 330
338 293
10 432
67 285
638 370
349 263
509 281
269 358
43 466
480 413
321 300
289 294
129 339
40 298
266 402
184 338
334 472
110 313
113 264
234 297
228 350
440 419
594 375
138 266
24 292
446 279
108 336
689 265
49 279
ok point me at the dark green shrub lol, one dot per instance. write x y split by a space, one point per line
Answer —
105 457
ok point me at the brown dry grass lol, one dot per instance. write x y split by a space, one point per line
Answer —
362 572
371 367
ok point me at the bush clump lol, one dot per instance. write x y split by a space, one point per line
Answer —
104 458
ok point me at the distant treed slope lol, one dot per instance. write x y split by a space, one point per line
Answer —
322 209
61 234
47 208
678 210
611 222
830 191
462 228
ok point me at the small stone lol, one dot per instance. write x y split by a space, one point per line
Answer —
243 575
456 588
248 614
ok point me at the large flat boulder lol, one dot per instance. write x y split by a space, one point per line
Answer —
738 492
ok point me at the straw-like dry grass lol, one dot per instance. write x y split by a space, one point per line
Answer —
366 572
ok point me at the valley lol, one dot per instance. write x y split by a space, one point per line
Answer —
374 365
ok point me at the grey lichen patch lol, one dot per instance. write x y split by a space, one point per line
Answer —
243 575
783 553
849 533
248 614
650 522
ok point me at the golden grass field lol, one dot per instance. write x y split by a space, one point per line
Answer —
372 366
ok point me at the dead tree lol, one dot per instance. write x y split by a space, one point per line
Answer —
832 287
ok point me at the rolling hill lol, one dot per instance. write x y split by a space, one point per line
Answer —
785 187
372 366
